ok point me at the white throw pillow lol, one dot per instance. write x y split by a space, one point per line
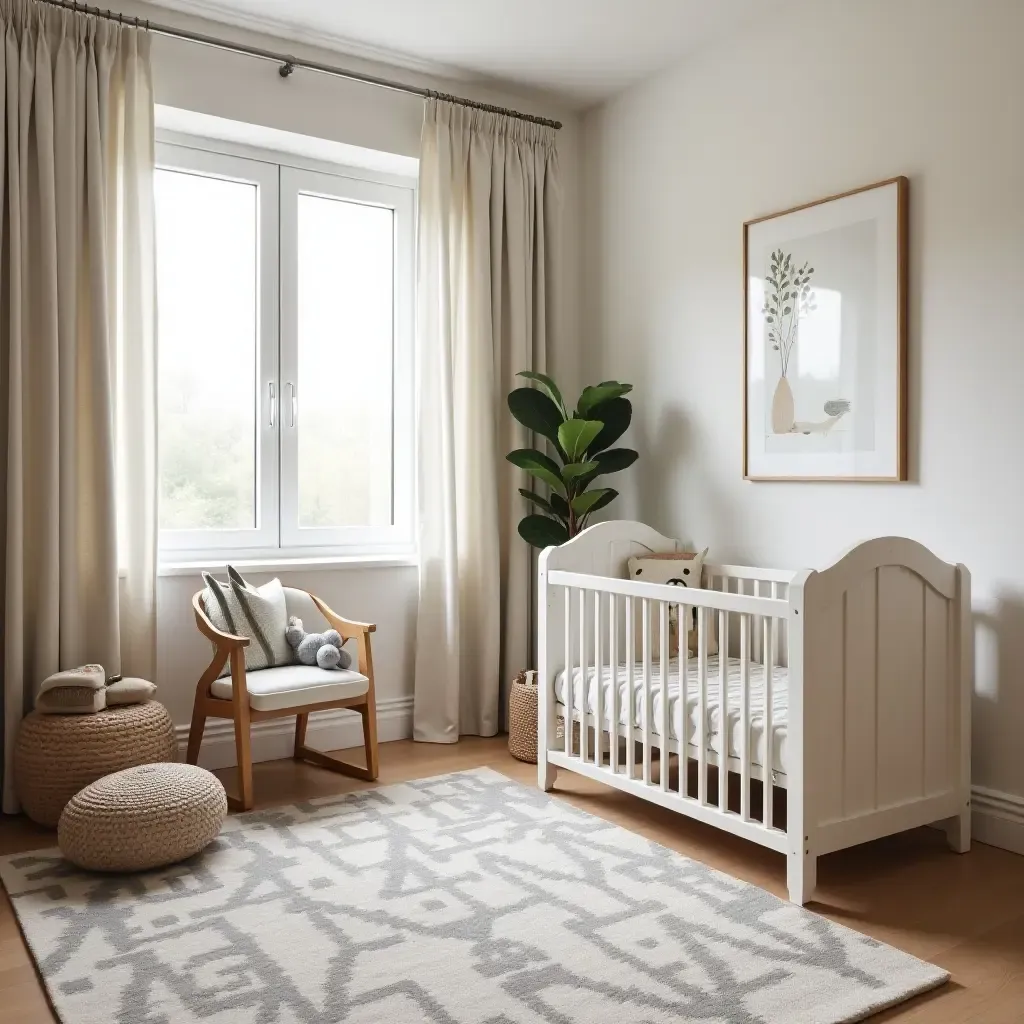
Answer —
259 613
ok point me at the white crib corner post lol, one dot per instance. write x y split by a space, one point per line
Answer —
546 772
958 828
801 858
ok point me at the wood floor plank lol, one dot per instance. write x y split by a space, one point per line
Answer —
964 913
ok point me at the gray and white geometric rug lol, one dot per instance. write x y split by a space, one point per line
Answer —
462 899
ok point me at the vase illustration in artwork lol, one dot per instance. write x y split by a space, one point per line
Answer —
788 296
783 412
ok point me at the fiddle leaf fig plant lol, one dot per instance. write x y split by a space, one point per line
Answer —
580 443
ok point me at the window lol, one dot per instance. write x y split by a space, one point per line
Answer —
285 325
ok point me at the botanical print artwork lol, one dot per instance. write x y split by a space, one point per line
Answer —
825 339
788 298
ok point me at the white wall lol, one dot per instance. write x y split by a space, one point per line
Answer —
232 86
819 97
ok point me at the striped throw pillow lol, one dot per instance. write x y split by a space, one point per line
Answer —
258 613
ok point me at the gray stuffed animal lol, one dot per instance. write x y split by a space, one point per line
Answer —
323 649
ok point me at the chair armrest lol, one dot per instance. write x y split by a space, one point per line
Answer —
210 631
346 627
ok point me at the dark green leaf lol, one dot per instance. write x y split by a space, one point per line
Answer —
539 464
578 469
537 500
550 386
602 393
584 503
607 497
615 415
536 411
612 461
576 436
559 505
542 532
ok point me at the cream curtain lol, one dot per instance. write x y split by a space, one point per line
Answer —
488 220
77 352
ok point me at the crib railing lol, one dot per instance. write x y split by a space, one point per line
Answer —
612 628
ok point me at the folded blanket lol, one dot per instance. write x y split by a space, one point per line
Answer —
91 677
71 700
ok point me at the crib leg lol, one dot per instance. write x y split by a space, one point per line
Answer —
801 877
958 831
546 773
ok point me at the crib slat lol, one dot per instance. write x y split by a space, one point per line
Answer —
583 675
702 707
745 717
684 719
630 639
723 707
613 662
768 761
775 627
666 743
569 683
598 680
645 611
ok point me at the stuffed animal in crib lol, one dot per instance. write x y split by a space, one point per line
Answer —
676 569
322 649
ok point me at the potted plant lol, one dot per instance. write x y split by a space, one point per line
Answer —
581 442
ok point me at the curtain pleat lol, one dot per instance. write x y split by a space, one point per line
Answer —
488 208
77 328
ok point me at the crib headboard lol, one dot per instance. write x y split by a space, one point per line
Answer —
887 672
604 548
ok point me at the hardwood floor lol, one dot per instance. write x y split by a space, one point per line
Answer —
965 913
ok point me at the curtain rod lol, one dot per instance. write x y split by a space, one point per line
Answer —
289 63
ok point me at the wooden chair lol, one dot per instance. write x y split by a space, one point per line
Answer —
297 690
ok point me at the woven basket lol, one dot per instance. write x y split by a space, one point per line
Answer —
522 719
57 755
142 818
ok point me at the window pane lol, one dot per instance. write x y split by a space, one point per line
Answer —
206 283
345 268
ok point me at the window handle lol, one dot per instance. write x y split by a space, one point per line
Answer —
273 403
293 402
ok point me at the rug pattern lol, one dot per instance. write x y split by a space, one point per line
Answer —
462 899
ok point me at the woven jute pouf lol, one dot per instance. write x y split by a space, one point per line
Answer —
141 818
56 755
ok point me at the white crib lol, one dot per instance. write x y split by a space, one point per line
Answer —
853 685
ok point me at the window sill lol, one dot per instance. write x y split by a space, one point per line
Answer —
282 565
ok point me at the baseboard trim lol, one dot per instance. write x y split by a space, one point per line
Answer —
336 729
997 818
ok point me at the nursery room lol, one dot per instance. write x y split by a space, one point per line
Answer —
508 512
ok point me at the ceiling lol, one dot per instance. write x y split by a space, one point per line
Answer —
582 50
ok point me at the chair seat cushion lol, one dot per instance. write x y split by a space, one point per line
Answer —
271 689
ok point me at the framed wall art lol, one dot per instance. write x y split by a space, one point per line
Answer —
825 339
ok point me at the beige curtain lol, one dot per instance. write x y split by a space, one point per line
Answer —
488 214
77 352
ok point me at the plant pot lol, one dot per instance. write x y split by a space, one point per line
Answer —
783 412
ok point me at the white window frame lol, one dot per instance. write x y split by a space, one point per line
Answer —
277 536
367 539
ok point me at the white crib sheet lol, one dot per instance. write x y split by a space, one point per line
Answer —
733 690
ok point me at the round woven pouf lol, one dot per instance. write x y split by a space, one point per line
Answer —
142 818
56 755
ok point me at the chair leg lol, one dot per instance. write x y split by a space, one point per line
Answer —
301 721
243 748
334 764
369 713
195 732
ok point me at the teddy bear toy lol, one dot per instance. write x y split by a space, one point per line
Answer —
323 649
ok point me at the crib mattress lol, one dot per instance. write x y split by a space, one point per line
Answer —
733 688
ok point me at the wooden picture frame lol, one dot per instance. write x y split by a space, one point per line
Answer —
836 271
